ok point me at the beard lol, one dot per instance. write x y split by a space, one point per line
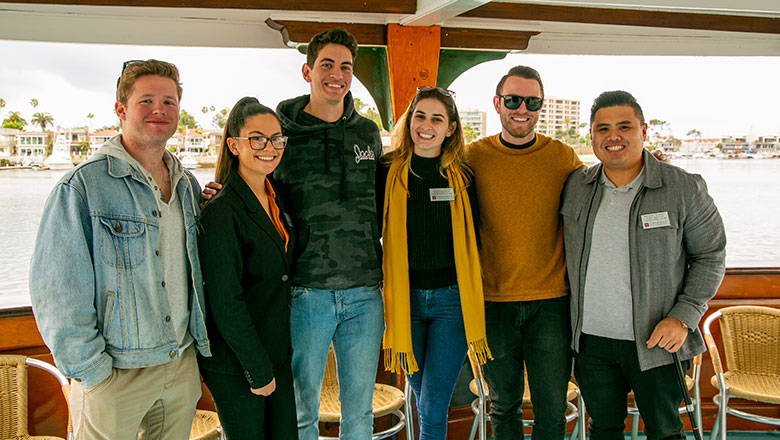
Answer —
517 132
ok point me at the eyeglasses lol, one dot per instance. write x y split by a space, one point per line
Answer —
260 142
444 92
513 102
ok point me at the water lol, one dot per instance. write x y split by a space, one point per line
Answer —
747 193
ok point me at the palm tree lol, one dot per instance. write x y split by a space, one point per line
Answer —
43 119
34 103
2 103
14 120
90 116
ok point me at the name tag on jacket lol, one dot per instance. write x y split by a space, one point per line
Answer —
655 220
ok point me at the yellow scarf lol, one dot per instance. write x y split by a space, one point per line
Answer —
397 341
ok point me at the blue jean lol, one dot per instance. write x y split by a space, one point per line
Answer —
537 335
439 345
353 320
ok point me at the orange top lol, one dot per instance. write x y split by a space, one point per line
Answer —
519 194
276 214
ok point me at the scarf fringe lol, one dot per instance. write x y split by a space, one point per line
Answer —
400 362
481 350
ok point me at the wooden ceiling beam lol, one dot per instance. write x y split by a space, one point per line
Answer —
376 35
626 17
376 6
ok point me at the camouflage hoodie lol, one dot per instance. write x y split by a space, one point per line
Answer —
327 180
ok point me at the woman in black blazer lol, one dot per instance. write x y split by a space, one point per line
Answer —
245 253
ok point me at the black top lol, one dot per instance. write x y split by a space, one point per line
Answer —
246 272
428 224
515 146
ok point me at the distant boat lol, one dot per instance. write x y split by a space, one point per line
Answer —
189 162
60 155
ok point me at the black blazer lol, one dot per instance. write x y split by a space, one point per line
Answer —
246 272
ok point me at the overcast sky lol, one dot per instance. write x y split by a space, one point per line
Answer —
718 96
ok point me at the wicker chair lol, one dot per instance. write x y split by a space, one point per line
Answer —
205 426
692 383
13 396
387 400
479 388
751 343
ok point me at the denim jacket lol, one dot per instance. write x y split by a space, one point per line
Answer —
96 282
675 268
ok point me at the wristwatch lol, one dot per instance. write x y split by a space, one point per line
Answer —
684 326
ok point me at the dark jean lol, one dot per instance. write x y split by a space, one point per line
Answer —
537 334
439 345
606 370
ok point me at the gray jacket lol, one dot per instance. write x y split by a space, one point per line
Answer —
675 269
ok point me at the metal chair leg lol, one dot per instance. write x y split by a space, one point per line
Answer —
474 425
408 410
634 426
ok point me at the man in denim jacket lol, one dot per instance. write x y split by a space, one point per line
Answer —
115 280
645 251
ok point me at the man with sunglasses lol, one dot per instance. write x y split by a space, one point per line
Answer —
115 279
519 177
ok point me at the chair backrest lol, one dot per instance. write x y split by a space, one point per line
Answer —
751 339
13 397
330 379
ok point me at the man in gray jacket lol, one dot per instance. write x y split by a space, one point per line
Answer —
645 251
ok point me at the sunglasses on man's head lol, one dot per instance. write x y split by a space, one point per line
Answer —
444 92
513 102
124 66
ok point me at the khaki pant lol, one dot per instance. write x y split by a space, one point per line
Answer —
143 403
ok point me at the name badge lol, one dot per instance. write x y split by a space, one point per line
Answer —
655 220
442 194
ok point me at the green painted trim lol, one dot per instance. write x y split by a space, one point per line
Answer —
453 62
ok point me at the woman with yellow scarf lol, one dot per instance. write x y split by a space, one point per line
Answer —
434 309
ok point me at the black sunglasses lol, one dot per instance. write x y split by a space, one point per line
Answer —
444 92
513 102
124 66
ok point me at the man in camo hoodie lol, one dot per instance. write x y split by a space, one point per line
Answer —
327 180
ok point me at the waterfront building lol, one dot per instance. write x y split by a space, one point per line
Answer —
558 115
475 118
99 138
77 138
699 145
31 146
214 141
734 146
8 142
768 146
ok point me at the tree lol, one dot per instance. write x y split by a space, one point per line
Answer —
187 120
34 103
2 103
694 133
370 112
14 120
220 118
114 127
43 119
90 116
469 133
657 126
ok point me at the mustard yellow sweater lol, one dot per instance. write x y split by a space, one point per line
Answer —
518 193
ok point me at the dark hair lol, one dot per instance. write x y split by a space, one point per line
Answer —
522 72
334 36
451 149
136 69
244 109
616 98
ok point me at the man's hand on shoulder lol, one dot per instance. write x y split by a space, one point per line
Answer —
210 190
669 334
660 155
